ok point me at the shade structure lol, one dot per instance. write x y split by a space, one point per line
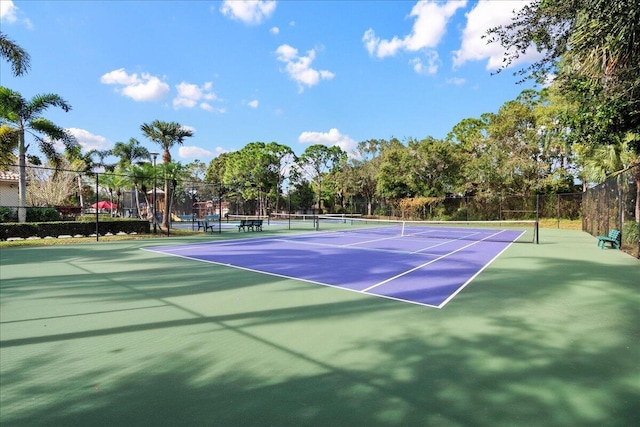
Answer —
104 204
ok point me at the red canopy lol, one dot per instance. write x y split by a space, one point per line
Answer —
104 204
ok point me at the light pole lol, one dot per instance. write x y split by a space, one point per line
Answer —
289 206
155 222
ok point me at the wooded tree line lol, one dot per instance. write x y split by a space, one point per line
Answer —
583 126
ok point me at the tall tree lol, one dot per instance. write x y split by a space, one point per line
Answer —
26 116
19 60
130 152
114 182
592 48
283 158
317 160
81 163
393 182
18 57
142 176
166 134
8 145
251 172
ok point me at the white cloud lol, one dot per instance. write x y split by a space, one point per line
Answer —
456 81
192 152
253 104
333 137
274 30
190 95
286 52
482 17
139 88
250 12
299 67
9 13
119 77
89 141
431 67
189 128
431 18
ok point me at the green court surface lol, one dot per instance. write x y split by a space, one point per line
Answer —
108 334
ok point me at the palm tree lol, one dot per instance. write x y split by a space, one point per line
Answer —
141 176
130 153
17 56
82 164
26 116
166 134
8 145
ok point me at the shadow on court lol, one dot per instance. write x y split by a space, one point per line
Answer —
546 336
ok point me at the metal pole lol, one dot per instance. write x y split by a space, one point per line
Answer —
289 207
97 217
155 225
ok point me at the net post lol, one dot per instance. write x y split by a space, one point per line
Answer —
97 215
536 232
537 217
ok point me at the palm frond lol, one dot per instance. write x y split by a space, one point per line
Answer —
41 102
18 57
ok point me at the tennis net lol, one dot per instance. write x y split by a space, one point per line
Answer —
502 231
283 217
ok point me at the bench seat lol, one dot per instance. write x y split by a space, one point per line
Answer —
614 239
204 224
250 225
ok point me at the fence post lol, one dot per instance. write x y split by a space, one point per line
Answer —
97 210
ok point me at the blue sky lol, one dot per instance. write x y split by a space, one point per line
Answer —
294 72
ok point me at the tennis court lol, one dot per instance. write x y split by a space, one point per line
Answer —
109 334
408 262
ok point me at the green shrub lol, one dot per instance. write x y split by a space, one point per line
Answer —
630 232
381 211
42 215
72 228
8 214
101 218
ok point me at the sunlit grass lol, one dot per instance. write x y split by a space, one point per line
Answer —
564 224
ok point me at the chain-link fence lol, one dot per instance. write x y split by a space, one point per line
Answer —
552 207
144 202
615 205
58 202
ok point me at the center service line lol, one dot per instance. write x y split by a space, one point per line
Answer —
427 263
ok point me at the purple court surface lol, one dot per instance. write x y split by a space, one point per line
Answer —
428 272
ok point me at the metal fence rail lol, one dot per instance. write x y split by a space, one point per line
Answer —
615 205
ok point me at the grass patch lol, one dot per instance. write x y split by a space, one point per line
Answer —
563 224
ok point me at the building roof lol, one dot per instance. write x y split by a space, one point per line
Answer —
8 176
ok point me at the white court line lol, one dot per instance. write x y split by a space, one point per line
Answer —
328 245
445 243
374 240
429 262
464 285
344 288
